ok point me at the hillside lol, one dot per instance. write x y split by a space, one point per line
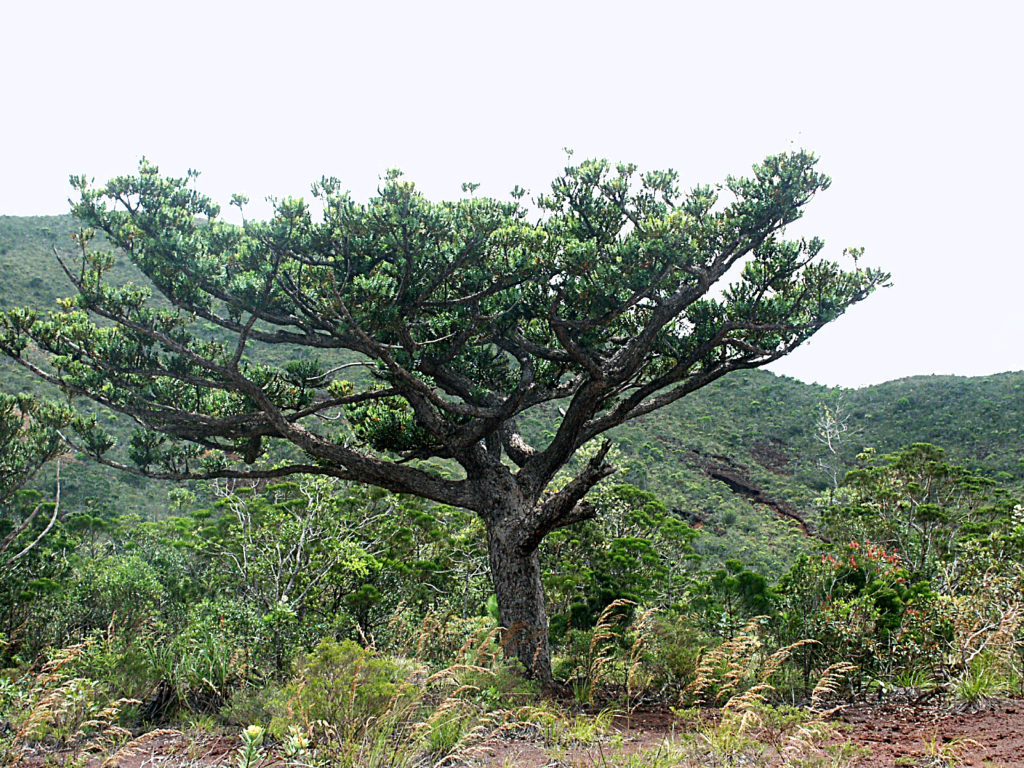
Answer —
738 458
719 627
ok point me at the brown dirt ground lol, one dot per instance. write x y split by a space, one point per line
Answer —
890 735
991 736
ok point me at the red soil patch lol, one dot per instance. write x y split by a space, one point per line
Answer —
889 735
922 736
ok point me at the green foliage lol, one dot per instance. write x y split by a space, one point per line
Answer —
387 424
203 607
467 316
339 687
980 680
672 653
29 438
858 607
977 420
917 504
184 635
120 590
58 706
635 550
728 598
923 576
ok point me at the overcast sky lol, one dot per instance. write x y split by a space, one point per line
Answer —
914 108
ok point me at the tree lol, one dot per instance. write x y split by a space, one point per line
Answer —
833 430
730 597
29 438
464 318
916 503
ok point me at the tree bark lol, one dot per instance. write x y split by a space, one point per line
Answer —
515 572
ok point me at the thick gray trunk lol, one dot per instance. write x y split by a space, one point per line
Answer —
515 571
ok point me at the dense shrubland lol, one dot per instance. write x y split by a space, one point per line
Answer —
349 622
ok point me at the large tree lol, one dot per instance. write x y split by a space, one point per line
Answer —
601 304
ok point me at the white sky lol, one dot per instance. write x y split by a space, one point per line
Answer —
914 107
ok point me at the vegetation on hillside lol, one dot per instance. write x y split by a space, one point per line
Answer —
349 623
328 624
766 426
467 316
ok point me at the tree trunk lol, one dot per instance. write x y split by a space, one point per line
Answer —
515 571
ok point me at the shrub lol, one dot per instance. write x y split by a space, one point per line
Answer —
340 687
250 704
672 653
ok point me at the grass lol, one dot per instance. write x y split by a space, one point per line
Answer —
348 706
444 724
946 754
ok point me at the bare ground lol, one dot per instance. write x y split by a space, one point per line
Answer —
925 736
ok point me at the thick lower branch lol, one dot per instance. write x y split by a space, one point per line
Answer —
567 506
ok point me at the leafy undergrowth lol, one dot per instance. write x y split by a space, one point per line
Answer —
346 706
874 736
274 629
454 735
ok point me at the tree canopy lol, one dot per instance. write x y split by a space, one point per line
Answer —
377 336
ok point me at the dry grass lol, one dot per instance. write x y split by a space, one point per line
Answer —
138 746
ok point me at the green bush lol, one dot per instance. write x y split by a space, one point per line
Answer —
501 687
338 690
250 704
672 652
